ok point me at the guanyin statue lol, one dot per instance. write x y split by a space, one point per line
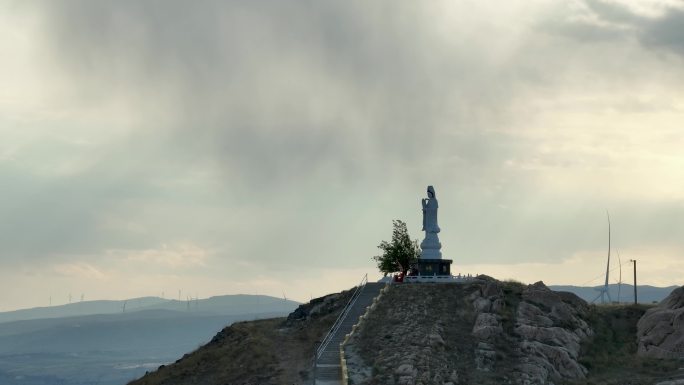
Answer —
430 246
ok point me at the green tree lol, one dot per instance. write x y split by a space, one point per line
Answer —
399 254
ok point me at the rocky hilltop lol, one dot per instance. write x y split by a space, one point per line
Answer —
482 332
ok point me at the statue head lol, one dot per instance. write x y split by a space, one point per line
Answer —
431 192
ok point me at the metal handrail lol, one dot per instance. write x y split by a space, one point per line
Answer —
338 322
343 360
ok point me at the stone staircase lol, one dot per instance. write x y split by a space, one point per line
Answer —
327 369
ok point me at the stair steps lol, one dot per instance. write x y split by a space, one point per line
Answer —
328 369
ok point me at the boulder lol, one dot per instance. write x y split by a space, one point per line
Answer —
555 360
660 332
551 329
405 370
492 290
485 356
529 314
482 305
552 336
487 326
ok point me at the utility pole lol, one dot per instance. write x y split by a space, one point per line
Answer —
635 282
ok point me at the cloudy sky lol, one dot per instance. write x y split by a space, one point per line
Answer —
265 146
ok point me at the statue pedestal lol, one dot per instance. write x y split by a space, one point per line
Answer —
433 267
430 247
430 262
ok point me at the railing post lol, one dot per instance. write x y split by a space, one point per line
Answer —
315 366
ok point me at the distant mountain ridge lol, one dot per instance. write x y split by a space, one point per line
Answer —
95 342
219 305
645 293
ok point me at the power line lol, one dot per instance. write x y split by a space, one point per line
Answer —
603 275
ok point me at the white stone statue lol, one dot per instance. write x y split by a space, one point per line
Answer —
430 246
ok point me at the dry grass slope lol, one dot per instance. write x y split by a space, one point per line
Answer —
611 356
273 351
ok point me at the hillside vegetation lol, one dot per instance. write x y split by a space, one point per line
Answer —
273 351
611 356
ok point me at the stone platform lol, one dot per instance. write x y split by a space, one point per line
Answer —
437 279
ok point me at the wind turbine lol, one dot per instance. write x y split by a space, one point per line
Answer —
619 280
603 292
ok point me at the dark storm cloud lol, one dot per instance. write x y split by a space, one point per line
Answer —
53 216
312 124
283 102
39 215
615 12
665 31
279 88
129 195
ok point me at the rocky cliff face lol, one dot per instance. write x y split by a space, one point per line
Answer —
482 332
660 331
550 327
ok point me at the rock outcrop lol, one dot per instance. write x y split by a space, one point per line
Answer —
548 328
487 328
660 332
551 327
507 332
411 338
